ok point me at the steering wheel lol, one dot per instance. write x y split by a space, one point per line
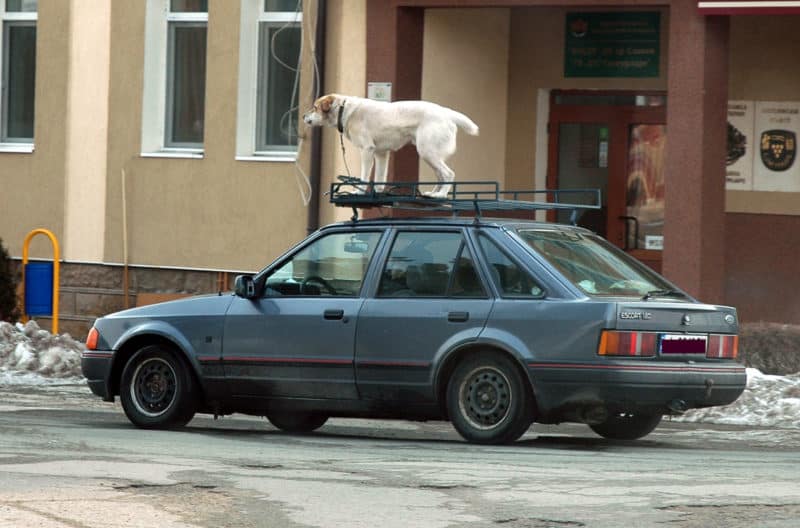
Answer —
315 279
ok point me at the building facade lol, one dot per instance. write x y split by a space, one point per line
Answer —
161 140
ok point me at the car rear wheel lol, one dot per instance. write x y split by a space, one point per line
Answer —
627 426
297 422
157 389
487 400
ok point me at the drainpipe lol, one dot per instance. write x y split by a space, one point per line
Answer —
315 175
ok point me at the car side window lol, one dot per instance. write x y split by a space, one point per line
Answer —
429 264
333 265
510 279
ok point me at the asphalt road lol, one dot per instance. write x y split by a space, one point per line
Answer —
68 460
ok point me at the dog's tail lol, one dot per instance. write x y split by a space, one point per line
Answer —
464 123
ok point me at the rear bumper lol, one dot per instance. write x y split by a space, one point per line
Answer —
96 367
634 386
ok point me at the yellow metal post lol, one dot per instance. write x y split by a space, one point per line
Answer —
56 270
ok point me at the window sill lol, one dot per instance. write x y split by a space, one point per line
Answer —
273 157
17 148
181 154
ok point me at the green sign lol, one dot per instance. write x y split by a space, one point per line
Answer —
612 44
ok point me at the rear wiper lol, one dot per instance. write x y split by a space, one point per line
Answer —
662 293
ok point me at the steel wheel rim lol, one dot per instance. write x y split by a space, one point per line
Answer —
484 398
153 387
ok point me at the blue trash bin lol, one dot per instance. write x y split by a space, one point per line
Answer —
39 288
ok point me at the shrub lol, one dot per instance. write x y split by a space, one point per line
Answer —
8 288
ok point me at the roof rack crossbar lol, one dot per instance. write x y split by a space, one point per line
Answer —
476 196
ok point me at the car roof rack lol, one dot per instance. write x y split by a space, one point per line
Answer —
476 196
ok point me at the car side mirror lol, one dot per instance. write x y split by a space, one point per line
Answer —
245 287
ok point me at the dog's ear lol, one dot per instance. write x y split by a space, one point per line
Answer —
325 103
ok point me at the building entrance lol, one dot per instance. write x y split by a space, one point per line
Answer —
614 141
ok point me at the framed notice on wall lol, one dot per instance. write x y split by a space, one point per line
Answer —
741 145
776 167
612 44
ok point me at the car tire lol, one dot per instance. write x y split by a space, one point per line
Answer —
157 390
297 422
488 401
626 426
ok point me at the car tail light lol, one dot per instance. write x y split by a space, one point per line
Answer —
91 339
722 346
634 344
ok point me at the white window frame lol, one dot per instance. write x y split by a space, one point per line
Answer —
252 16
154 97
12 16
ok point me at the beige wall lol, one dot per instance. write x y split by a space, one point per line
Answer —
215 212
465 67
763 54
345 73
87 131
32 185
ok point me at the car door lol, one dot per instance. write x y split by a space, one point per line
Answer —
297 338
429 299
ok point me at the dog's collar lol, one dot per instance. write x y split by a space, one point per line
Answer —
339 123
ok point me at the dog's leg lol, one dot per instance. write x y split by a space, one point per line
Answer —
436 143
444 174
381 169
367 158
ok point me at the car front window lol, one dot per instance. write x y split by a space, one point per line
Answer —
593 265
333 265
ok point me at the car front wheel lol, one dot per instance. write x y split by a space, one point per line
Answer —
487 400
627 426
297 422
157 390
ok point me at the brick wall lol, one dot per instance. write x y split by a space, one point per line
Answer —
88 291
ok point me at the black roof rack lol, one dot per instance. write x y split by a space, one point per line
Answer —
477 196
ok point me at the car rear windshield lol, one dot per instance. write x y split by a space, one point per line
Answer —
594 265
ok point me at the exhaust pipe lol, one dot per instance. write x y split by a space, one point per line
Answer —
594 415
677 406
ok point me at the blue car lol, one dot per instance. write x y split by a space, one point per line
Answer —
492 324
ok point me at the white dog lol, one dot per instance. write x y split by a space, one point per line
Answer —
377 128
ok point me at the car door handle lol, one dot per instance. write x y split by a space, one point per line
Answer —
333 314
457 317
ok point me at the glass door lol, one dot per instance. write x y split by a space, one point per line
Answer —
583 164
614 141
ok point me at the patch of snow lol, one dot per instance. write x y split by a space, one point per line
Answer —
32 356
768 401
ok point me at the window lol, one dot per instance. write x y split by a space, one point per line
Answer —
430 265
594 265
18 64
508 277
173 115
269 71
333 265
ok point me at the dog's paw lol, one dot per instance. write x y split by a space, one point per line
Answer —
435 194
379 188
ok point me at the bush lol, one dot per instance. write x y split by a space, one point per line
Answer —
8 288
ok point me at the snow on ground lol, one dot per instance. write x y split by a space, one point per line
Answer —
768 401
30 356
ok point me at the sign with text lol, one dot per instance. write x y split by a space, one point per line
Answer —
379 91
741 144
777 125
612 44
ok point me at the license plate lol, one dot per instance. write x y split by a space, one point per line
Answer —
682 344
